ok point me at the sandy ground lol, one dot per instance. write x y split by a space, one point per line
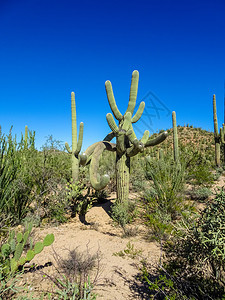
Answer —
117 275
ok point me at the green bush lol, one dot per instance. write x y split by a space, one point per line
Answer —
197 252
78 202
161 285
197 167
8 172
201 193
124 213
137 173
168 183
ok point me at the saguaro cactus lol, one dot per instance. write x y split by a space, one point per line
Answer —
26 136
76 145
127 144
216 133
175 138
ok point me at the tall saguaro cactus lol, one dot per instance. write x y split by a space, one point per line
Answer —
175 138
26 136
216 133
127 144
76 145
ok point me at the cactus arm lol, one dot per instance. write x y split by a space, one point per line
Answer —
138 146
83 159
120 141
68 148
74 123
109 137
134 150
84 156
159 139
131 136
133 92
139 112
127 121
99 183
112 102
145 137
26 136
222 135
112 123
223 132
80 139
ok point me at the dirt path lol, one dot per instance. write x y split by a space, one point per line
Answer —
117 277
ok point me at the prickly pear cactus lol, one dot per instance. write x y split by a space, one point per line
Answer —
76 145
127 144
11 253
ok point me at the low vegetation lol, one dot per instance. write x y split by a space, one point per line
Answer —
36 189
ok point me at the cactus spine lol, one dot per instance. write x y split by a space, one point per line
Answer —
76 145
127 144
175 138
216 133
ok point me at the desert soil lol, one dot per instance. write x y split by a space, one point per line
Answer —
117 278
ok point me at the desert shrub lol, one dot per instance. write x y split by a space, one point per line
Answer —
78 202
163 200
8 172
160 284
167 183
76 275
124 213
137 173
55 159
130 251
9 287
201 193
218 173
196 253
16 180
27 175
160 224
198 168
202 175
54 205
5 224
49 171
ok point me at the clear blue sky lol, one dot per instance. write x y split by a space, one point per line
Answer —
50 48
